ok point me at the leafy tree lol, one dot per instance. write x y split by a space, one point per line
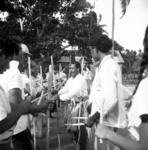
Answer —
44 24
124 4
43 31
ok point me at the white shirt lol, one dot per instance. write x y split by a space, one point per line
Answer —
5 109
74 88
103 93
139 107
139 104
14 79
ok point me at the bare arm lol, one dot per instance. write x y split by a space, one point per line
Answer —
39 108
124 142
10 120
23 108
14 97
47 104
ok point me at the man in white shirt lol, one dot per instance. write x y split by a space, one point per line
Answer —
103 95
10 112
75 87
16 93
8 117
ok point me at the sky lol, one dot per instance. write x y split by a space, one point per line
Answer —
130 30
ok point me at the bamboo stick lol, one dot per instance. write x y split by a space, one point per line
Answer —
34 127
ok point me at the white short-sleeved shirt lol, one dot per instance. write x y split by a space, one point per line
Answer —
5 109
13 77
13 80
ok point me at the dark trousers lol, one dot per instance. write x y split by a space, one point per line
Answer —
22 141
81 137
5 147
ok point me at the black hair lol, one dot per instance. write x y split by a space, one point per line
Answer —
102 43
9 46
77 65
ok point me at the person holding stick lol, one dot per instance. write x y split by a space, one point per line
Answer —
137 115
72 93
9 114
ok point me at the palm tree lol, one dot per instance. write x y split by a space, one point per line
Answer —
124 4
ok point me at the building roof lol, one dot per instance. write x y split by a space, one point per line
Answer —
65 59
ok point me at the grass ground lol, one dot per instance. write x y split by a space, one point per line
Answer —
57 129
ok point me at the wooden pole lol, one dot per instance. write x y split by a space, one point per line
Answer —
52 71
54 86
40 117
48 111
34 127
113 26
41 75
29 69
48 130
101 118
50 84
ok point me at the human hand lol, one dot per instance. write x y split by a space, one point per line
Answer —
103 132
50 105
91 120
25 107
54 92
28 98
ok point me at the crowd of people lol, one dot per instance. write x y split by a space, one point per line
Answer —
94 111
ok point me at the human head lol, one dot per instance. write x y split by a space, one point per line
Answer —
100 45
8 49
75 68
12 49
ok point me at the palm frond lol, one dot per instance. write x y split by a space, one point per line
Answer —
124 4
